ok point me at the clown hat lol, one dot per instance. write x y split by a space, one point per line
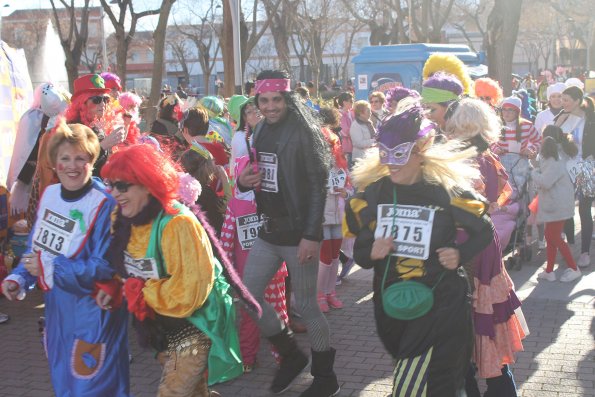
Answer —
89 84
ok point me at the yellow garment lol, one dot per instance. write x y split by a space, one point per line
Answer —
187 257
475 207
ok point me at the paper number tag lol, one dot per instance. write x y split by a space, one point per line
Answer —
337 178
54 233
144 268
268 166
412 228
247 227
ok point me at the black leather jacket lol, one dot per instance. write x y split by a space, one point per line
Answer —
303 183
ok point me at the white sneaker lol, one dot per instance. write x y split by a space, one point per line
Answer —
584 260
570 275
541 244
551 276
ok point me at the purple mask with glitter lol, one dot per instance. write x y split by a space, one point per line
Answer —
398 133
399 155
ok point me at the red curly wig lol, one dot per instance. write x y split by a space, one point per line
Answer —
144 165
486 87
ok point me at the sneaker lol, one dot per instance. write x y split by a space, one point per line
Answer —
584 260
4 318
570 275
551 276
339 281
333 301
323 303
346 268
541 244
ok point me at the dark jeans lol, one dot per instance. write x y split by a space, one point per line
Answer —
584 212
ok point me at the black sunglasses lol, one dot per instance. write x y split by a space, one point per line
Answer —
121 186
99 98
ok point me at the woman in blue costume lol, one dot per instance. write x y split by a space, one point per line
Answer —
87 347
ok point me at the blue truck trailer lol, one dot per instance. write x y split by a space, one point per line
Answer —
379 68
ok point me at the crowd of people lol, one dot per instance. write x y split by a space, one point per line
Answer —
257 206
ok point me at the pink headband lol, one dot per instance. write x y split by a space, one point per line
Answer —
270 85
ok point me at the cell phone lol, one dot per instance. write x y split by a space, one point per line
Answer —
253 160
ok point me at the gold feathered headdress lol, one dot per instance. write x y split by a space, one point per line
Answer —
450 64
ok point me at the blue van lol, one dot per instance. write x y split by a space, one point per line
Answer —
379 68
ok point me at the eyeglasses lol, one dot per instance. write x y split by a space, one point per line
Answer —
99 98
376 101
485 98
509 110
120 186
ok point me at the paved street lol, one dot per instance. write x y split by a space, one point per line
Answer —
558 361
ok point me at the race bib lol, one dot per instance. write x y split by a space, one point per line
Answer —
573 168
268 167
144 268
247 227
412 229
337 178
54 233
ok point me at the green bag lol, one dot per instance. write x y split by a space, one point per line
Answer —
406 299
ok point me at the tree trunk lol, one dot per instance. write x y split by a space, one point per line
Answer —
158 64
502 31
73 73
227 48
121 57
206 80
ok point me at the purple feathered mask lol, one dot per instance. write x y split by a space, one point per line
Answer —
398 134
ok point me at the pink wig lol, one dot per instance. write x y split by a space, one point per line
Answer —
129 100
144 165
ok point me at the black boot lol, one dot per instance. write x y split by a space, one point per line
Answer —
325 381
293 360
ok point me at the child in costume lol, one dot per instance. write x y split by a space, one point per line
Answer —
555 199
240 229
337 191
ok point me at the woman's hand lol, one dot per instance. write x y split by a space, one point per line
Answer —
341 191
103 300
116 137
10 289
249 179
449 257
381 248
31 263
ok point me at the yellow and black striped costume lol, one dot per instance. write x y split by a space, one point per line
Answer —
432 352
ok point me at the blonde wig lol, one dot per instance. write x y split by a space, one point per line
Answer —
448 164
471 118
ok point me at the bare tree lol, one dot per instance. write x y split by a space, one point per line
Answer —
158 58
182 54
204 35
428 19
503 27
281 19
73 33
316 25
123 37
252 32
92 58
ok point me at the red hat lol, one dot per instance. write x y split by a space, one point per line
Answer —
91 84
